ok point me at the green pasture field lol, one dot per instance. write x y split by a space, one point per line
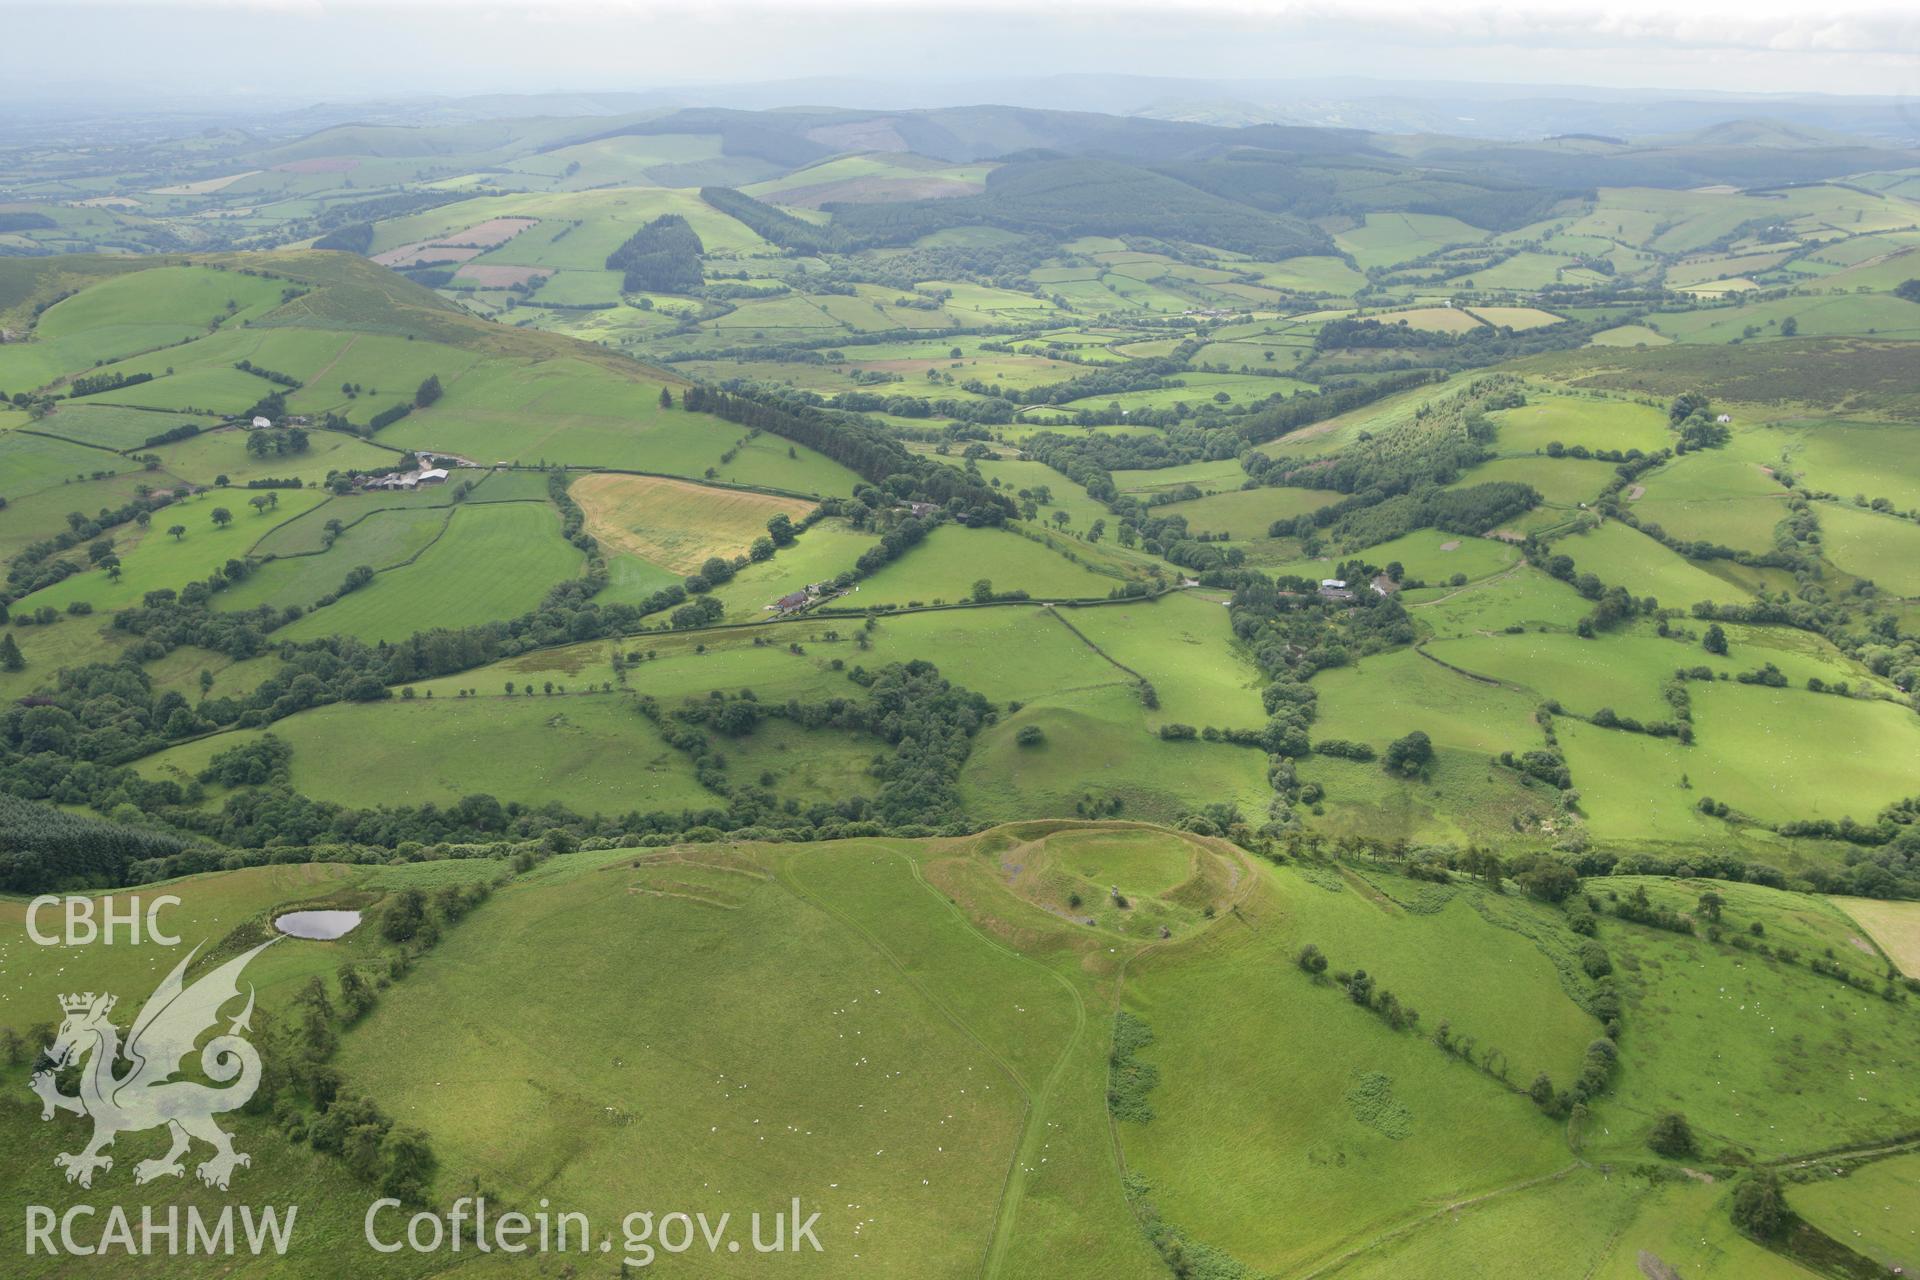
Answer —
1799 655
1687 1225
207 389
1596 423
579 414
379 540
385 367
307 534
31 464
1747 1048
1097 742
1886 273
1562 482
1430 555
1524 272
1247 513
1308 274
625 162
973 303
1389 238
825 551
212 454
1620 555
1007 653
1011 476
912 361
111 427
631 579
592 752
1782 754
1196 389
1227 473
1279 1111
1288 350
1563 1226
1865 459
1809 923
1629 335
1519 319
607 218
1184 642
151 558
1867 544
1713 497
1874 1209
944 567
1828 315
1389 695
434 873
70 642
951 1054
1430 319
1621 672
494 561
180 672
1636 787
1692 271
124 315
1525 597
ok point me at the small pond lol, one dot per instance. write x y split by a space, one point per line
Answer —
323 926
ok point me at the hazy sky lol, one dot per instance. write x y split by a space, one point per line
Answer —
304 50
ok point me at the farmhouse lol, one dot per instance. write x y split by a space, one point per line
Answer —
409 479
261 424
793 602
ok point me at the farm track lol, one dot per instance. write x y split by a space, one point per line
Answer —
338 356
1509 571
1414 1224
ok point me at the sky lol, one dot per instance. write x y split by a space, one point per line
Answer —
337 49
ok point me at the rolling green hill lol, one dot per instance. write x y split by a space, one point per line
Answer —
1086 696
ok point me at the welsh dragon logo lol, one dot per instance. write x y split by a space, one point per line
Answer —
135 1087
